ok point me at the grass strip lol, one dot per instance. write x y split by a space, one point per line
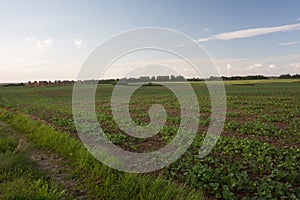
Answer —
19 178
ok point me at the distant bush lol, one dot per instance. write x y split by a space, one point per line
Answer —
151 84
250 77
13 84
288 76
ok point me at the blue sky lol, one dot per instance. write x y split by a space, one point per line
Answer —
48 40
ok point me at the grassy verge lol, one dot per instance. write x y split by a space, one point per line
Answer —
18 177
100 181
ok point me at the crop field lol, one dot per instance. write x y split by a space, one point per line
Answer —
257 155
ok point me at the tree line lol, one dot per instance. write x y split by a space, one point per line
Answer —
166 78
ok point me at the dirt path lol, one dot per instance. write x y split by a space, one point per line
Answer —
53 166
58 171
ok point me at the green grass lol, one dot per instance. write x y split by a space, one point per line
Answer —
7 142
18 177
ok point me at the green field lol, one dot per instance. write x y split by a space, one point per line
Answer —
257 156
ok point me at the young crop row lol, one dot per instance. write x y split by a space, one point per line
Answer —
243 168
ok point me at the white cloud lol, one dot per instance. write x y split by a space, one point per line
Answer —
228 67
40 43
256 66
298 19
296 65
241 66
30 39
79 43
289 43
207 29
44 43
271 66
247 33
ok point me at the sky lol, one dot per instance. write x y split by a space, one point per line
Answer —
50 40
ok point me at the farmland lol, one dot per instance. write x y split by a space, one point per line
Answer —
257 155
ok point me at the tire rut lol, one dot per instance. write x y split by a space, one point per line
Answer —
54 167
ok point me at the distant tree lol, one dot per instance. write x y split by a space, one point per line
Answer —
107 81
296 76
250 77
285 76
13 84
195 79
